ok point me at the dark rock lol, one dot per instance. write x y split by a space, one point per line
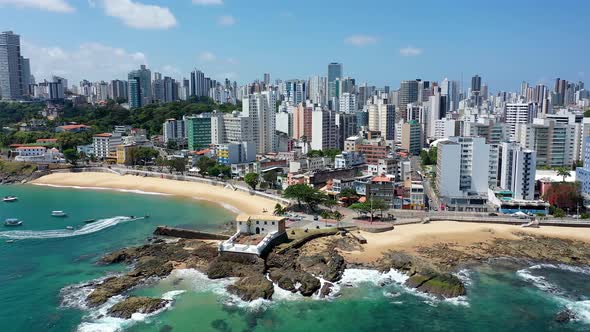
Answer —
443 285
288 279
234 265
151 267
166 328
565 316
252 287
131 305
326 290
330 266
111 287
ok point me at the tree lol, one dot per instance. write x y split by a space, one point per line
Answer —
160 163
559 213
563 172
305 194
370 207
172 145
270 177
177 164
251 180
349 194
330 203
279 210
219 170
72 156
204 164
140 155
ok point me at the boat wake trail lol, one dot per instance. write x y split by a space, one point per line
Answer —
94 227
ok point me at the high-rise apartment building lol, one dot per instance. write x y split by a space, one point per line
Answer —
382 117
334 74
518 170
140 87
408 93
11 74
261 108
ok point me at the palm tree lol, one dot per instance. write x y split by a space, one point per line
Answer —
563 172
279 210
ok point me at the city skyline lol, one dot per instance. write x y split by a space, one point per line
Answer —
211 36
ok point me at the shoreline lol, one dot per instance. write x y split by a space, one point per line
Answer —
234 201
462 238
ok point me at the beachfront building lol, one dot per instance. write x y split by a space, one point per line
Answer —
255 234
174 131
39 155
518 170
105 145
583 173
199 132
462 169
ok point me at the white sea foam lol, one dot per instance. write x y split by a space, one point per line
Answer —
356 277
459 300
538 281
465 276
133 191
224 205
565 267
98 319
94 227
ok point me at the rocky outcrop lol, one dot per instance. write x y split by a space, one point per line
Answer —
131 305
111 287
443 285
235 265
565 316
328 265
295 280
252 287
423 276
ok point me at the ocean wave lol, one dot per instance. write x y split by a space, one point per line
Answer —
132 191
465 276
565 267
94 227
538 281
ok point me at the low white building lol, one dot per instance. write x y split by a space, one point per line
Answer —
38 154
254 234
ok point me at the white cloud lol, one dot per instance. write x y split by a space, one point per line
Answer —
233 61
207 56
92 61
60 6
208 2
226 20
140 16
361 40
410 51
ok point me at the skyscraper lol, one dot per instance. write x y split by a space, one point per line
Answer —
198 84
260 107
11 84
408 93
143 90
26 75
334 73
475 84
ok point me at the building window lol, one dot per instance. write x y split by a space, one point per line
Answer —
257 222
273 223
266 223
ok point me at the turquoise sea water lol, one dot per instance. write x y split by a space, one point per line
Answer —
36 278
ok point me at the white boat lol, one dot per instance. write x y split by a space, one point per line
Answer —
69 228
12 222
10 199
58 214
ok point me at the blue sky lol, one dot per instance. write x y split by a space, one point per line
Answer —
380 42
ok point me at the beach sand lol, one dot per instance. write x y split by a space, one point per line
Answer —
233 200
410 237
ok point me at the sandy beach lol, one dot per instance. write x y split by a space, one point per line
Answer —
233 200
461 234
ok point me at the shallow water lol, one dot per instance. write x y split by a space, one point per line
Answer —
40 279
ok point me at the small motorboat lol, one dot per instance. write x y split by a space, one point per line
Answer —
9 199
12 222
9 241
58 214
88 221
69 228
